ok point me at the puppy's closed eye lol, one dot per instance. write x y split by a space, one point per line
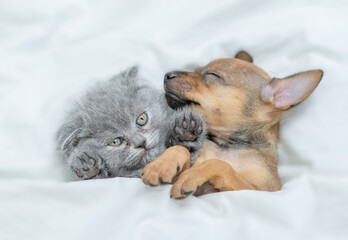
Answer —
211 77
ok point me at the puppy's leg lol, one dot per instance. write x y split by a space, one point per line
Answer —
216 172
165 169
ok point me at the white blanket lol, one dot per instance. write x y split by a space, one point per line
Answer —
50 51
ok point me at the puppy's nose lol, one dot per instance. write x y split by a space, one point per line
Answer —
170 75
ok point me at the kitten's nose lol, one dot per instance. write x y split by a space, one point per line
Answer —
139 141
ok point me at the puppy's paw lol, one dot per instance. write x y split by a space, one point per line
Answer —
86 167
165 169
188 183
188 126
160 172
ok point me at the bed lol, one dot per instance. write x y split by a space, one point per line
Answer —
51 51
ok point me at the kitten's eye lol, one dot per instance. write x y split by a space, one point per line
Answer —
142 119
116 142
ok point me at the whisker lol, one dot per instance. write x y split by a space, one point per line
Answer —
152 137
132 155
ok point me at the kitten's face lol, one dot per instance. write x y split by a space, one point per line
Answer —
126 126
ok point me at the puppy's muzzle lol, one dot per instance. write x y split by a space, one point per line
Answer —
172 75
176 86
175 82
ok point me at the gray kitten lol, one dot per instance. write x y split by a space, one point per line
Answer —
119 126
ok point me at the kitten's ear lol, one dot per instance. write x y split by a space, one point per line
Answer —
131 72
287 92
127 77
70 134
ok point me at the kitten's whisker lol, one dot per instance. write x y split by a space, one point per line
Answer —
130 156
151 138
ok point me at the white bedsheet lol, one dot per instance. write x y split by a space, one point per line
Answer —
50 51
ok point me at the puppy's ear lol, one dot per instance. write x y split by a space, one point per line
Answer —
290 91
243 55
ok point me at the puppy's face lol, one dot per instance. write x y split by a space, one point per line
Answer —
233 94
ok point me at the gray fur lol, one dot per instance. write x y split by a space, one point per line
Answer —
109 110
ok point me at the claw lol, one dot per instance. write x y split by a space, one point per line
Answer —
162 182
186 193
178 169
180 198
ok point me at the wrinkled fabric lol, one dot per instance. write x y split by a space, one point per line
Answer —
51 51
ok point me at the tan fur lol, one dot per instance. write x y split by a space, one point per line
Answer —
171 163
242 106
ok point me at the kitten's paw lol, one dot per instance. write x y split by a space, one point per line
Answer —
87 167
188 127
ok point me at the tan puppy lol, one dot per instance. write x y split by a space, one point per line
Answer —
242 106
